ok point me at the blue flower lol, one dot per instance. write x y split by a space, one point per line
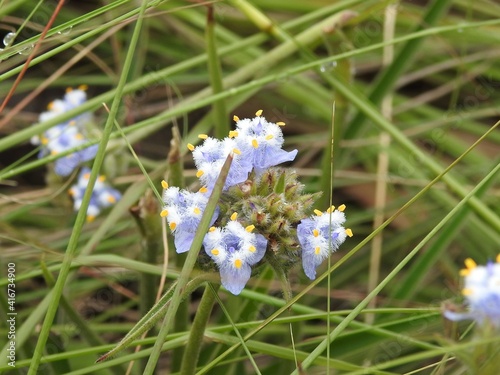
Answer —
102 196
183 211
65 136
482 293
234 249
263 140
210 156
319 236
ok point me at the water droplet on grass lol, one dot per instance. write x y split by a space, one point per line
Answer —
8 39
328 66
26 50
65 31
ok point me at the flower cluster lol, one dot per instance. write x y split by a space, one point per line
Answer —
263 213
67 135
102 196
482 293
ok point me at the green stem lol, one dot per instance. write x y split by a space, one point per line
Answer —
197 332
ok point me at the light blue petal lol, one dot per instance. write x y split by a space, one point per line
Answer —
233 279
183 240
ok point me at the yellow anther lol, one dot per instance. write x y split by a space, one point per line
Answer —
348 231
236 118
238 263
44 141
202 136
318 212
236 151
83 87
172 226
50 106
315 232
54 152
164 213
86 176
69 89
200 173
164 184
71 192
234 216
252 249
250 228
215 252
111 199
280 123
211 229
197 211
190 147
269 136
498 258
233 134
467 292
470 264
341 208
464 272
317 250
258 113
72 123
102 178
203 189
90 218
330 209
255 144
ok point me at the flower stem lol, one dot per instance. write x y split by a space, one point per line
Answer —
193 347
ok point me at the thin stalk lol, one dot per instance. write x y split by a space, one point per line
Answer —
197 331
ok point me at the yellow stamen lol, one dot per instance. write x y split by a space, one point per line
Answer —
164 184
215 252
280 123
318 212
203 189
202 136
199 173
255 144
236 118
236 151
190 147
164 213
69 89
197 211
341 208
111 199
234 216
83 87
211 229
250 228
467 292
315 232
269 136
86 176
102 178
90 218
233 134
238 263
53 152
172 226
72 123
252 249
317 250
258 113
331 209
498 258
348 231
470 264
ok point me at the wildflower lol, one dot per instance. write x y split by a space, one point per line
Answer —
68 135
210 157
234 249
102 196
321 235
482 293
183 210
263 140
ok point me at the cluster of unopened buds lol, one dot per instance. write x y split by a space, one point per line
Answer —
482 294
263 213
67 136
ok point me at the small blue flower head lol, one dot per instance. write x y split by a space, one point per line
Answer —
183 210
234 249
102 196
263 140
65 136
321 235
210 156
482 293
